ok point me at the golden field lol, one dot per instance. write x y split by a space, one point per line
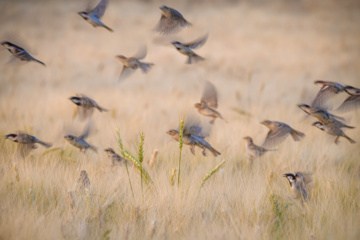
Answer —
263 57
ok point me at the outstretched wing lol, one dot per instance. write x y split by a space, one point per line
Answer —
197 43
276 137
210 95
99 10
141 53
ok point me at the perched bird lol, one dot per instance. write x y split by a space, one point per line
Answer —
327 90
353 101
26 142
93 17
333 130
171 21
115 158
208 103
324 116
133 63
299 184
79 141
193 135
278 132
85 106
83 181
19 52
185 48
254 150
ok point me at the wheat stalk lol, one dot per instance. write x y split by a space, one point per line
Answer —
182 121
212 172
172 177
153 159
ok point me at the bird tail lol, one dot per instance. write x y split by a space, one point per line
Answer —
108 28
347 126
194 59
145 67
214 152
350 140
39 62
47 145
296 135
93 148
102 109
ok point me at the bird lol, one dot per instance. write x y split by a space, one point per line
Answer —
171 21
333 130
133 63
353 101
79 142
327 90
185 48
83 183
254 150
26 142
115 158
208 103
278 133
324 116
299 184
193 135
93 16
19 52
85 105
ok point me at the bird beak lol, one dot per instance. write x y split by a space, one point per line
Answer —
263 123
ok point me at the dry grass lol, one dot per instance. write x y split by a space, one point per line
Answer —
262 56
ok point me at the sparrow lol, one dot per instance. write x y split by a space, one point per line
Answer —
83 182
278 132
85 105
19 52
79 141
254 150
133 63
193 135
26 142
208 103
185 48
171 21
115 158
353 101
333 130
299 183
327 90
93 17
324 116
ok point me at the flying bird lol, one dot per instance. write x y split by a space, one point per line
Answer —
85 106
93 17
254 151
19 52
115 158
327 90
299 184
171 21
333 130
353 101
133 63
278 133
26 142
209 102
79 142
186 49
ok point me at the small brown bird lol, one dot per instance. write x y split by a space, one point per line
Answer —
185 48
327 90
171 21
333 130
208 103
85 106
299 184
278 133
353 101
93 16
26 142
79 142
115 158
19 52
254 150
83 182
133 63
193 135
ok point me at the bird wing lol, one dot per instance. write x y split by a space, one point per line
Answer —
25 149
84 113
304 177
99 10
192 126
167 25
324 95
210 95
125 72
275 137
197 43
350 103
86 131
141 53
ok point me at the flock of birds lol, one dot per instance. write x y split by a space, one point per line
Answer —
194 133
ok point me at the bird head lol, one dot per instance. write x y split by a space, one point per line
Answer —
197 105
318 125
122 58
172 132
76 100
248 139
84 15
351 90
319 83
11 136
176 43
165 10
304 107
69 137
109 151
290 177
6 44
266 123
